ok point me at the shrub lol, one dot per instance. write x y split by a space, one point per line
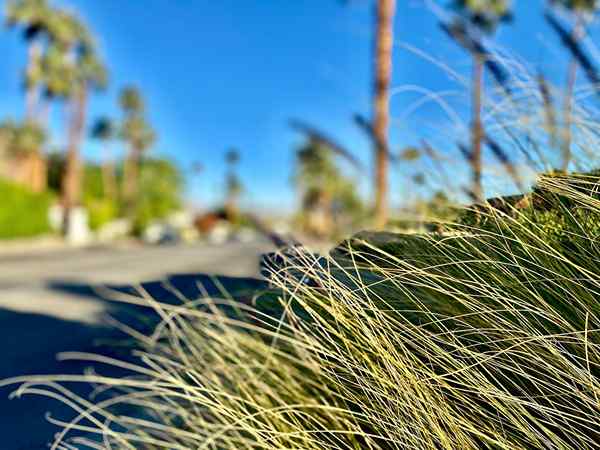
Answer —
159 192
101 209
480 340
23 212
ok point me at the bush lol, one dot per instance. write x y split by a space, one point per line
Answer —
101 212
101 209
159 192
23 213
481 340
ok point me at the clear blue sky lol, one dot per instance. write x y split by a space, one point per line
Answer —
230 73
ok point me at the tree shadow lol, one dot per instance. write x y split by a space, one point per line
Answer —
30 345
32 341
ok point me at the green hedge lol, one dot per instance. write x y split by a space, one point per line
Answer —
22 213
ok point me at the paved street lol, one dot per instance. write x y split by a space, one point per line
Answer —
47 306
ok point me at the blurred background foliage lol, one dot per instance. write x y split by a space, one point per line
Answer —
544 127
161 185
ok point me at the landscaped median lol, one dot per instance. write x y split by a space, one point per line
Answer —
483 337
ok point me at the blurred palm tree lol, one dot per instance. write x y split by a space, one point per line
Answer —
232 157
139 136
483 18
385 11
131 100
67 37
325 193
314 177
579 10
24 164
233 186
384 37
104 131
32 16
88 74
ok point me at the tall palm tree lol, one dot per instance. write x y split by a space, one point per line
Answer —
579 9
88 73
104 131
59 72
233 184
315 177
32 16
481 17
327 197
140 137
384 36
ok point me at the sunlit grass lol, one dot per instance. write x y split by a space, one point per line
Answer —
484 339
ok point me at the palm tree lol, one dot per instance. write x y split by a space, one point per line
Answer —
232 157
579 9
32 16
59 71
384 36
104 130
233 184
139 135
131 100
314 177
88 73
385 11
482 17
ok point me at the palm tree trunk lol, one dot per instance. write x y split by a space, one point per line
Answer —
384 36
231 208
71 184
44 113
33 93
327 202
477 128
108 175
568 100
130 179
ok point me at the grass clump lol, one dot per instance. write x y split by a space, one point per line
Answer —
485 339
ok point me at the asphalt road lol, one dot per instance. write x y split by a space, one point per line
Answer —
47 306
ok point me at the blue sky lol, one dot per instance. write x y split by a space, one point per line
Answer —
231 73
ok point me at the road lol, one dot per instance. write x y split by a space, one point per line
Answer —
47 306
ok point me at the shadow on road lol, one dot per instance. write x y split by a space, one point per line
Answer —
31 342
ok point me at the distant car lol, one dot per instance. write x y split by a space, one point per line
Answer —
169 236
162 234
